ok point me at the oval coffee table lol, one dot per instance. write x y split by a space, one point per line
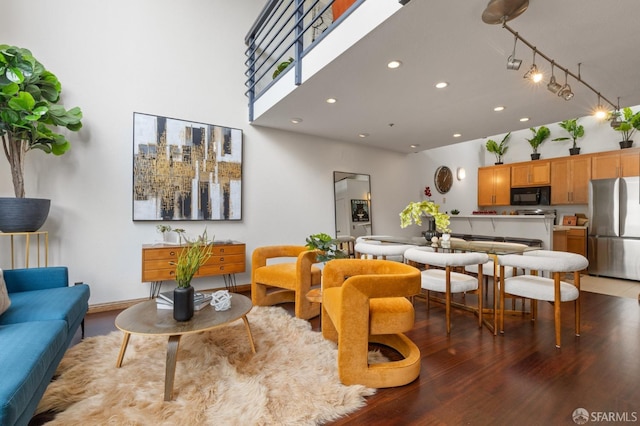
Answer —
146 318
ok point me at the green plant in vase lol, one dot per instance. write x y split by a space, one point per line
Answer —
326 245
539 136
625 122
499 150
190 259
575 131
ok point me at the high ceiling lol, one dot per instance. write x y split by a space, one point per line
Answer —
446 40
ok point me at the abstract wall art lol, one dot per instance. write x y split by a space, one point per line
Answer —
184 170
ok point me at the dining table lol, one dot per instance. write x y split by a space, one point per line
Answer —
492 248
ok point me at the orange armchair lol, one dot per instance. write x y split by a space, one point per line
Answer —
366 301
273 283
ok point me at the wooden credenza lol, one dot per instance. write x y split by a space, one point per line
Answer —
158 261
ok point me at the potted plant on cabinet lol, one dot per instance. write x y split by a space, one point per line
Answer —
191 258
498 149
29 112
625 122
414 212
539 136
575 131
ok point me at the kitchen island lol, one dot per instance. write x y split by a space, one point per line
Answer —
516 226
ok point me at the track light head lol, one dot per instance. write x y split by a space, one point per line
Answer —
566 92
553 86
533 74
513 63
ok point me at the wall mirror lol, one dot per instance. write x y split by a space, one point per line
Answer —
352 196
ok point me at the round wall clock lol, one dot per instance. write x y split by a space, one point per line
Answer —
443 179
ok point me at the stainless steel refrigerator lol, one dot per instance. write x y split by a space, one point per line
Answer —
614 231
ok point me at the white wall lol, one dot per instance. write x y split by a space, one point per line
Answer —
182 60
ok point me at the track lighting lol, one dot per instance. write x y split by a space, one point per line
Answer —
553 86
512 62
566 92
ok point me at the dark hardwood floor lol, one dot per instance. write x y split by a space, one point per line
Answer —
472 377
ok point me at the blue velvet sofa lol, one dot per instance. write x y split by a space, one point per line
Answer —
35 331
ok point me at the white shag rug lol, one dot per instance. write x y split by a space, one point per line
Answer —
291 380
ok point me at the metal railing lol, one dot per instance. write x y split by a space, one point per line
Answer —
284 32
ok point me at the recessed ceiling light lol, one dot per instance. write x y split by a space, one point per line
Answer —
363 135
442 85
332 100
457 135
414 145
499 108
524 119
394 64
296 120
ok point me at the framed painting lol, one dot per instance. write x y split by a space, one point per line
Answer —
359 211
184 170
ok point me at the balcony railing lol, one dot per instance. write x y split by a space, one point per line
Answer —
283 34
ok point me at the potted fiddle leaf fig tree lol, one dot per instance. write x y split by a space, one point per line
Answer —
29 117
536 140
498 149
575 132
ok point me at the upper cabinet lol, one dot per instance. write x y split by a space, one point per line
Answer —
570 180
614 164
531 173
494 186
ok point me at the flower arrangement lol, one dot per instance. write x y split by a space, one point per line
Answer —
191 258
327 246
415 210
427 191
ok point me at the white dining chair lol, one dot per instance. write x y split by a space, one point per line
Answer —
377 250
536 287
446 280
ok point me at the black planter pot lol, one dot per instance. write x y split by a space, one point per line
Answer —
574 151
535 156
498 163
626 144
183 303
23 214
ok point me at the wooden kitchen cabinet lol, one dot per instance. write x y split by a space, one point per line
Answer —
531 173
570 180
572 240
494 186
615 164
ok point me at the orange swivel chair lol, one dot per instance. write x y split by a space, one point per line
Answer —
366 301
273 283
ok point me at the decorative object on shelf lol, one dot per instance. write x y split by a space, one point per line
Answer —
501 11
192 256
575 131
164 230
539 136
327 247
443 179
499 150
414 212
427 192
29 112
184 170
625 122
455 212
281 67
221 300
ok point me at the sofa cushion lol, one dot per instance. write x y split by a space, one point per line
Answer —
29 349
62 303
4 296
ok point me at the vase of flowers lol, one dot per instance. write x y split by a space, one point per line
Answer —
191 258
415 211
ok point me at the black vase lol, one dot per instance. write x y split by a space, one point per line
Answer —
574 151
23 214
626 144
183 303
535 156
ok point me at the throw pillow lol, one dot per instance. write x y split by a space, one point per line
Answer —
4 295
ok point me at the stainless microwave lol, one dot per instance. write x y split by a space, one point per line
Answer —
531 196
